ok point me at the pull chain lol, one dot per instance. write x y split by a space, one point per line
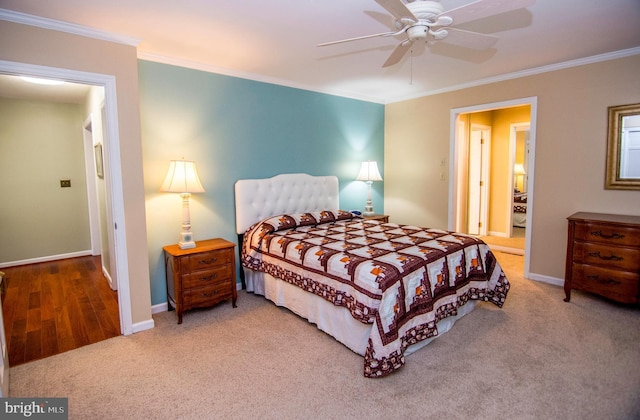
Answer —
411 70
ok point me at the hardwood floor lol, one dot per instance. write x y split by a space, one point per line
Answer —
56 306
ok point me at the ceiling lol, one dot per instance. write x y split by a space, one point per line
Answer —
276 41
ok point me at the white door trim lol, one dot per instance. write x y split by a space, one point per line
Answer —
114 172
92 196
455 153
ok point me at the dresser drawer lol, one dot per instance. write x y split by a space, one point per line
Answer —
607 234
206 296
209 259
619 285
627 259
210 277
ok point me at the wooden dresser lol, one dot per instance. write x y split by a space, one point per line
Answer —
603 256
201 276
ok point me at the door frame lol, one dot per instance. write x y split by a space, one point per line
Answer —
456 164
113 170
514 128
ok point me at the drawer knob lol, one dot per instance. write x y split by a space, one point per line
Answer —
603 281
609 258
208 261
210 294
207 278
614 235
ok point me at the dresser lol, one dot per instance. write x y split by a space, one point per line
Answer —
603 256
202 276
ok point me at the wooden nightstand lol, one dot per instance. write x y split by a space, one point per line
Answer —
202 276
382 217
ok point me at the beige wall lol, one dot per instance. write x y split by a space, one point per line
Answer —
32 45
40 144
569 161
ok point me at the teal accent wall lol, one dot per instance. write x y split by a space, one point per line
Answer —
235 129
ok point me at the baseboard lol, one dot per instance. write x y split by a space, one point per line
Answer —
161 307
545 279
498 234
46 259
508 250
143 326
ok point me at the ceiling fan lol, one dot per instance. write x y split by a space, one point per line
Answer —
427 20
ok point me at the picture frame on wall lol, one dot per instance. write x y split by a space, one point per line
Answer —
98 156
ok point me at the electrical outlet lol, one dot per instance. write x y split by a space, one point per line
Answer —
65 183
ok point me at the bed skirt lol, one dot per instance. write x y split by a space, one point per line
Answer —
333 320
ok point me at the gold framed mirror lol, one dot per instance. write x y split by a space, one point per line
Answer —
623 148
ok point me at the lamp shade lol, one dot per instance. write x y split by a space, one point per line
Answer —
369 172
182 177
518 169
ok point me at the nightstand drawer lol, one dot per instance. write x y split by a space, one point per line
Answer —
204 296
209 259
211 277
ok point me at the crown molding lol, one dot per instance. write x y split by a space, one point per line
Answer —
529 72
72 28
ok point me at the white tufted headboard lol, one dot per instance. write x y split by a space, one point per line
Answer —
257 199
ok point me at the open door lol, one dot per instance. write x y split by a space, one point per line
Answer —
479 158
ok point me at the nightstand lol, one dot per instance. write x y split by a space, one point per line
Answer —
382 217
200 277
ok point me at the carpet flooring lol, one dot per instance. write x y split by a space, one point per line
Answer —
536 358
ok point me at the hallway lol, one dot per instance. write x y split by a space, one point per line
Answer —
56 306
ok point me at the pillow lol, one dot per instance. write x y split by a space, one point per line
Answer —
289 221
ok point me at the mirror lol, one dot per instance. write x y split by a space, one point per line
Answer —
623 148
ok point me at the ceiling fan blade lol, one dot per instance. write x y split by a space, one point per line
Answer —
359 37
482 8
397 8
469 39
398 53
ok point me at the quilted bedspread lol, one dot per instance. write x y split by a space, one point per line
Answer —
401 279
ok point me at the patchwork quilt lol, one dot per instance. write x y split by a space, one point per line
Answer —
401 279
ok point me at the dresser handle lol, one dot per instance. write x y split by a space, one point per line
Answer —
612 236
207 278
610 258
209 261
603 281
212 293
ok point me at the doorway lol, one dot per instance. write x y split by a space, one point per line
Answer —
500 195
113 173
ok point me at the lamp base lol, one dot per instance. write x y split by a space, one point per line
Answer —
368 211
186 240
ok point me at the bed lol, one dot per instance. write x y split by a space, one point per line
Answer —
382 289
519 209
